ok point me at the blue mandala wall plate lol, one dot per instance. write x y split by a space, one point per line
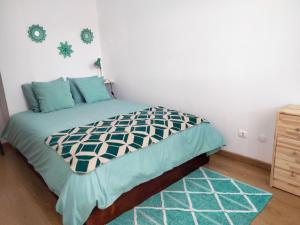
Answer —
203 197
36 33
65 49
87 36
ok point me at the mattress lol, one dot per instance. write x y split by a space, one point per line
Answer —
79 194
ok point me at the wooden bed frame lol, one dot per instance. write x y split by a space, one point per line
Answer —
143 191
139 193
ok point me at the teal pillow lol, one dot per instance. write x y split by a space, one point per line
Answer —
30 98
77 96
54 95
93 89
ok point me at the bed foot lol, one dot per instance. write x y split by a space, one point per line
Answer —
1 149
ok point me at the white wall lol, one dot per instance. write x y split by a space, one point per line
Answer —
22 60
234 62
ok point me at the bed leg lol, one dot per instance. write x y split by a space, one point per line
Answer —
1 149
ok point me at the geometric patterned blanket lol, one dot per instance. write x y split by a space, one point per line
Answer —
87 147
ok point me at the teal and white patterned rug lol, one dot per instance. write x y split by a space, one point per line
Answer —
204 197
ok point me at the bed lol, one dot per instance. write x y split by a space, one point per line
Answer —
97 197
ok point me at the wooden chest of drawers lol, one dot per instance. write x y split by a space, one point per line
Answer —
285 172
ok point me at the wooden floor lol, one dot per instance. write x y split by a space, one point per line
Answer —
25 199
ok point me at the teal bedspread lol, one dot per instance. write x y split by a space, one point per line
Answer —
79 194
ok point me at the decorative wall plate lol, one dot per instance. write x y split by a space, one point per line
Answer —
65 49
87 36
37 33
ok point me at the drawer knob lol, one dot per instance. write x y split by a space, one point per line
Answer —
297 129
293 174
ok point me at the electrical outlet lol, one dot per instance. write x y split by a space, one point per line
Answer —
242 133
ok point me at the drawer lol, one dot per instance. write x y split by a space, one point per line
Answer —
290 132
290 177
287 165
288 154
287 143
289 120
286 187
288 126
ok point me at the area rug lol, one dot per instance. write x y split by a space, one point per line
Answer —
204 197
